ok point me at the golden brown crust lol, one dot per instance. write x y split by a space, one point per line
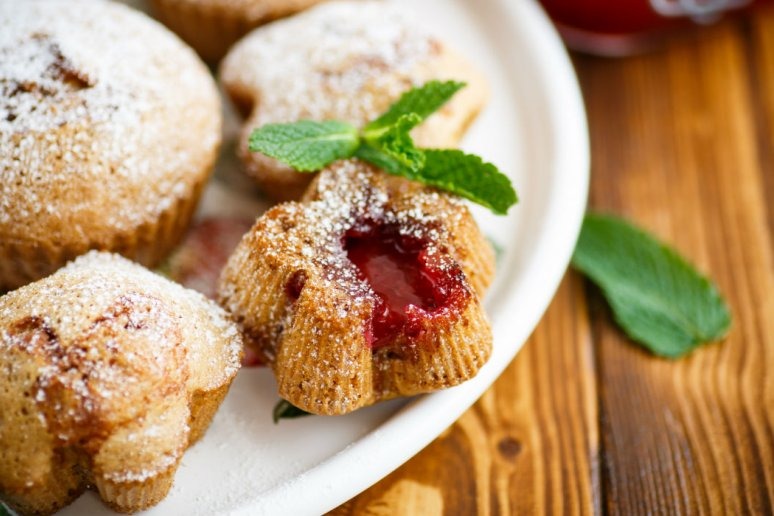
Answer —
335 66
203 405
24 260
104 144
318 343
211 27
64 483
109 373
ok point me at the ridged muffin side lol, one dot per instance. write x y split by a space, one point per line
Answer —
211 27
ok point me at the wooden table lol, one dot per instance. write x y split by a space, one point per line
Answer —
584 421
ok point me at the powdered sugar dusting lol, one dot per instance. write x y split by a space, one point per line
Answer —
162 463
306 306
108 341
93 97
347 194
351 192
314 64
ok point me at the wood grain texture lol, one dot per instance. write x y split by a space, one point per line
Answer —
760 52
530 443
680 155
585 422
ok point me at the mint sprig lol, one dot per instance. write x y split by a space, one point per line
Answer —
395 142
286 410
306 145
422 101
656 296
467 175
386 142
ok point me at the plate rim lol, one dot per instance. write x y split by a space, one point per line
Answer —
572 164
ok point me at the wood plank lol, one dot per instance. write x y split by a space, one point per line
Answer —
676 149
528 446
760 53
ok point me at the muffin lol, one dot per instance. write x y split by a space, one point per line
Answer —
367 290
109 127
108 373
345 61
211 27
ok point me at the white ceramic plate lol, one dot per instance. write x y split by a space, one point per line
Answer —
535 129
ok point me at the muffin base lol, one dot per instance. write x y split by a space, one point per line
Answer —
210 31
24 261
61 490
213 29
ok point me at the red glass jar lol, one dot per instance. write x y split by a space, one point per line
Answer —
620 27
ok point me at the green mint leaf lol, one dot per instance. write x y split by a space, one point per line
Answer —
5 511
386 142
657 297
468 176
285 410
423 101
382 160
395 141
306 145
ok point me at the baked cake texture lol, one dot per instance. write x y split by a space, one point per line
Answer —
108 373
367 290
345 61
109 127
211 27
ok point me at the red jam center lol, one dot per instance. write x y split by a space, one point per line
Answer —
397 269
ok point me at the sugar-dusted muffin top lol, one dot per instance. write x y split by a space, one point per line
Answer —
105 370
347 60
309 65
102 287
343 60
106 118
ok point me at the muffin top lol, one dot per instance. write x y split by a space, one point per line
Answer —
342 60
352 202
105 119
345 60
95 350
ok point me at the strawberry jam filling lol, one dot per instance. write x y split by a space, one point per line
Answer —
409 283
